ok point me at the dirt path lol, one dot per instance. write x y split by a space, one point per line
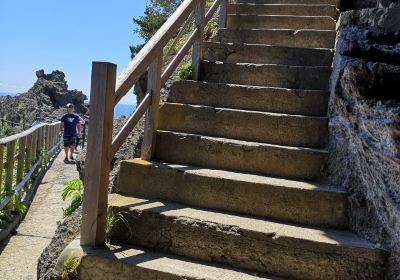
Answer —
19 254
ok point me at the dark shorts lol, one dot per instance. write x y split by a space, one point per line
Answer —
69 141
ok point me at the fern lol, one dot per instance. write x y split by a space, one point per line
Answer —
73 190
70 269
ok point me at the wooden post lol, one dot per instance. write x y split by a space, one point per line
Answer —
97 164
10 166
34 146
151 121
222 14
21 158
197 53
1 165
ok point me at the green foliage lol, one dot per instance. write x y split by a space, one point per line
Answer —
155 14
5 219
70 269
16 205
74 191
114 218
185 71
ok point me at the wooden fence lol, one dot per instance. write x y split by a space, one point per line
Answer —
22 155
107 90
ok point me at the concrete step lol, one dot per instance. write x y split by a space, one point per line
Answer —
256 53
280 22
285 9
220 153
320 2
279 37
284 200
272 128
270 75
118 261
276 100
248 243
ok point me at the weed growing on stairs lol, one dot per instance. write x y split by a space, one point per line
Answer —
185 71
114 218
70 269
74 191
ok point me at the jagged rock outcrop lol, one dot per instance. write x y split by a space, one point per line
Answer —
364 121
45 101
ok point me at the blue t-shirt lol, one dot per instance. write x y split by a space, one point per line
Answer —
70 122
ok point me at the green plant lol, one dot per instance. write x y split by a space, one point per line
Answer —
5 218
113 218
16 204
74 191
185 71
70 269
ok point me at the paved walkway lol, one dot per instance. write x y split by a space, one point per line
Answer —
19 254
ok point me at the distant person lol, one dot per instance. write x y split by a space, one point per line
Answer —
70 128
78 138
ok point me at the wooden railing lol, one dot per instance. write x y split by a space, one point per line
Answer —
21 155
107 91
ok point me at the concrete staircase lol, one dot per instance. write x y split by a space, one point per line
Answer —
235 190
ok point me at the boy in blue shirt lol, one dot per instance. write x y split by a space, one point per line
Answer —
70 127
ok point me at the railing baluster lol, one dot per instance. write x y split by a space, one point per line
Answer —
1 165
21 158
197 52
151 121
223 14
97 164
9 167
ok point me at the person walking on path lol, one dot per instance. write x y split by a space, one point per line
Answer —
70 128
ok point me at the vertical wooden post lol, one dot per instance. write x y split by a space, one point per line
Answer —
10 166
97 164
21 158
151 121
197 53
1 165
223 14
34 146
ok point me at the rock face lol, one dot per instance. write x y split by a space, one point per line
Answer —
364 113
45 101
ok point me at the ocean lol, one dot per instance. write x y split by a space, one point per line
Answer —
123 110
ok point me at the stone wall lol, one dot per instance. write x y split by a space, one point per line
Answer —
364 125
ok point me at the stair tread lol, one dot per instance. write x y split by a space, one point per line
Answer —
212 44
150 264
315 239
247 143
287 90
246 177
233 110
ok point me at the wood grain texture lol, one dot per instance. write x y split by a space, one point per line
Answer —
10 161
151 122
197 52
97 164
130 124
223 14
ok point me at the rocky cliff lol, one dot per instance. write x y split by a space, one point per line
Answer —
45 101
364 120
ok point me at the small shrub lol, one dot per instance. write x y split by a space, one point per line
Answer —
70 269
74 191
5 219
185 71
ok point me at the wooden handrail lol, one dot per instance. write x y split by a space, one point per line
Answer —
154 46
25 153
130 124
107 91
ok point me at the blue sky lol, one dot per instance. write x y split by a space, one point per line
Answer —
64 35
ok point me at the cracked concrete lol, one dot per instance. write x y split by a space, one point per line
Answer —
19 253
